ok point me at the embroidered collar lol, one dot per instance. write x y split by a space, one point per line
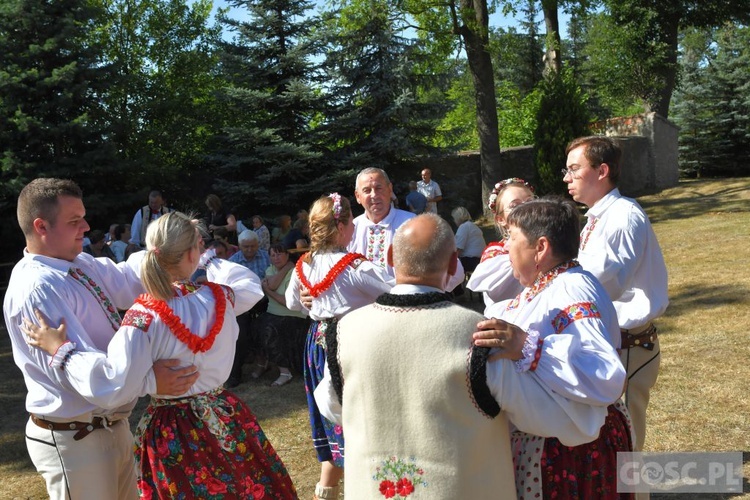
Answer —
542 282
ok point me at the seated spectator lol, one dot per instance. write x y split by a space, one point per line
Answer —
282 330
97 247
264 236
221 234
110 236
119 244
469 239
221 249
278 233
220 216
300 231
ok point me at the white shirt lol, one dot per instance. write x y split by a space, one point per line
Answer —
494 277
373 243
116 377
118 248
90 309
353 288
470 239
431 190
135 226
619 247
577 323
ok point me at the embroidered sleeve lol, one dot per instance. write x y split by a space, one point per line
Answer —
229 294
138 319
62 355
575 312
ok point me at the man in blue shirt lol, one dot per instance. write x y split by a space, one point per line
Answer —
415 200
257 260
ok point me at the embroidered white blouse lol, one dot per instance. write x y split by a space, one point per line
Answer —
358 284
573 335
117 376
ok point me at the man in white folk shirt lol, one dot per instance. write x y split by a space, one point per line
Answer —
619 247
81 450
374 229
423 412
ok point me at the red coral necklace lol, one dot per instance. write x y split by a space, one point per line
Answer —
337 269
195 343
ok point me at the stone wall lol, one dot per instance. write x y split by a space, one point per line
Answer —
649 164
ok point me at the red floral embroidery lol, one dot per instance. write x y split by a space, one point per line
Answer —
387 489
195 343
574 312
493 250
138 319
324 285
404 487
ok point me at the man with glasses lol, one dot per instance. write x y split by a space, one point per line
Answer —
619 247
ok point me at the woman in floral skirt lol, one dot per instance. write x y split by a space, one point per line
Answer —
339 282
207 443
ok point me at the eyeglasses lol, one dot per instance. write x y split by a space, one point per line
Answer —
571 171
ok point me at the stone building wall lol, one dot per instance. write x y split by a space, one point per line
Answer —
649 164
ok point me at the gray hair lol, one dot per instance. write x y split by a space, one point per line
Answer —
424 261
369 171
460 215
247 235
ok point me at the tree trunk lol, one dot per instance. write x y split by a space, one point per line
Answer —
552 58
474 32
669 70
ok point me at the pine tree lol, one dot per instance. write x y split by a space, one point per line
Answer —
380 116
268 153
51 80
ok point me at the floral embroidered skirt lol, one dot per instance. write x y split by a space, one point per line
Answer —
547 467
207 446
328 438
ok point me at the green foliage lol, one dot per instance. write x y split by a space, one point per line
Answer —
267 151
712 106
562 117
517 115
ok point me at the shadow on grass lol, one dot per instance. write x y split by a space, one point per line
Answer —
706 298
692 200
709 496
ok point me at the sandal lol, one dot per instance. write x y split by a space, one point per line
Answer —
259 370
283 379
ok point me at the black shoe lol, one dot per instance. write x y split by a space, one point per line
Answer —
232 382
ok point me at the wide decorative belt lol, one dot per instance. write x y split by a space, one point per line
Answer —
83 428
645 337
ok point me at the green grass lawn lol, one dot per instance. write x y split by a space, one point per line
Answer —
700 403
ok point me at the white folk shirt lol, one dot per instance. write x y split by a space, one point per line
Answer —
619 247
358 285
493 277
429 191
115 377
88 299
577 324
372 240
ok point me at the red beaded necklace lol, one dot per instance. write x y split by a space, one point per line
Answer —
195 343
337 269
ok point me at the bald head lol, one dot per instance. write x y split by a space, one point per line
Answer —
424 251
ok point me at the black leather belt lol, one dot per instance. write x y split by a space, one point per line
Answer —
83 428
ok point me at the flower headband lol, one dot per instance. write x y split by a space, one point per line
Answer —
336 205
502 185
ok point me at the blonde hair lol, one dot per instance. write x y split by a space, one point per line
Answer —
167 240
324 229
